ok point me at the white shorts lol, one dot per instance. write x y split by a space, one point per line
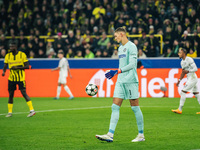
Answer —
191 86
62 79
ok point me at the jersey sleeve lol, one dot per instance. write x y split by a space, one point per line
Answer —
24 58
60 63
193 67
132 59
6 59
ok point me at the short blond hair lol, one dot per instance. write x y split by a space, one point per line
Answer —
121 29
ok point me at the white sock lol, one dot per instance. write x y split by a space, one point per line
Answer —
141 134
198 97
58 91
182 100
68 90
110 134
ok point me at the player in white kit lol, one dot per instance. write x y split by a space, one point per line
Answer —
63 68
188 67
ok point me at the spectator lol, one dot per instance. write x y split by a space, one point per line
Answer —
88 53
143 39
52 53
70 53
175 48
197 48
59 40
23 49
31 54
98 11
78 54
3 42
95 31
41 54
102 43
169 53
105 54
98 54
3 53
141 54
49 48
185 38
192 53
30 48
87 38
153 45
70 39
115 54
35 18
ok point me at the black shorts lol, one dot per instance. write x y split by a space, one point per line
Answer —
12 85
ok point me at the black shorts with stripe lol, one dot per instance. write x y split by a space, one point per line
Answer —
12 85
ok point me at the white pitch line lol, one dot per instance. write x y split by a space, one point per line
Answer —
86 109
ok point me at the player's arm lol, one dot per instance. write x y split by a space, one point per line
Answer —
193 67
68 69
131 65
26 66
57 68
4 69
183 73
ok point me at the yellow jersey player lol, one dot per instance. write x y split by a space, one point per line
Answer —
17 62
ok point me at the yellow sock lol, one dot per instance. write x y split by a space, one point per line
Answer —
29 103
10 107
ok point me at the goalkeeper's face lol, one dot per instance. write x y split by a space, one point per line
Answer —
118 36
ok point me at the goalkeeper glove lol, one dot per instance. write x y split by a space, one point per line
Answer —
112 73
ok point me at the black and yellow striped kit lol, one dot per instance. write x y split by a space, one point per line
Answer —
16 60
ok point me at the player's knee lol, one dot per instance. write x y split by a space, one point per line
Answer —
183 91
195 93
183 94
115 107
23 92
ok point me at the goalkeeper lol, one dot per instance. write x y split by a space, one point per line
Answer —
126 86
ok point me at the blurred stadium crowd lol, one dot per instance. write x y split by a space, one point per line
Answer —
88 22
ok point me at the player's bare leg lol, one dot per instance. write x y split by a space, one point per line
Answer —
117 102
182 101
139 118
29 103
197 95
10 103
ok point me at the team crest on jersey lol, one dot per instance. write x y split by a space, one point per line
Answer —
124 50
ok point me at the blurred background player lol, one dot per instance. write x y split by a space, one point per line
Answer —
188 67
126 86
17 61
63 68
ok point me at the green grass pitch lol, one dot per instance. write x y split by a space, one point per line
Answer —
72 124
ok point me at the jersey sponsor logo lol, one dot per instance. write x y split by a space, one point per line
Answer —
122 55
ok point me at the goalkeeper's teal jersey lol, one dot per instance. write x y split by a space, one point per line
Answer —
128 63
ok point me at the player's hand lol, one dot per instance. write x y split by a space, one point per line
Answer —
185 71
14 67
111 73
3 74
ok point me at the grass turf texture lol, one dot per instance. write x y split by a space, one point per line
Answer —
75 128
